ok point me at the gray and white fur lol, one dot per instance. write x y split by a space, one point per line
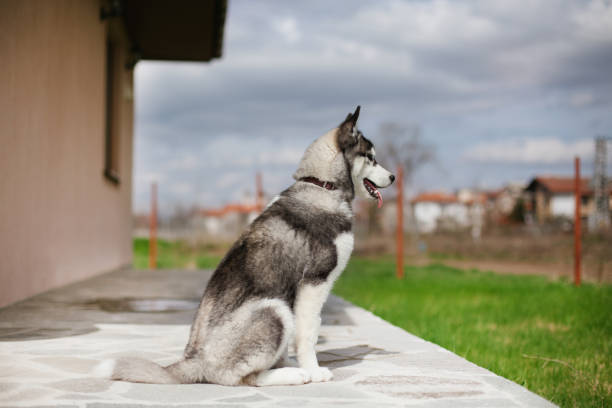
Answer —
269 289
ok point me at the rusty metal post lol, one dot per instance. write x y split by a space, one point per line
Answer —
577 222
153 228
400 223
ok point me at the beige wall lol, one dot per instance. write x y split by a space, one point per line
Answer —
60 219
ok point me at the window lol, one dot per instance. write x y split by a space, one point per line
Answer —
111 142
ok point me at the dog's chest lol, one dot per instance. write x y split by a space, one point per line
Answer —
344 247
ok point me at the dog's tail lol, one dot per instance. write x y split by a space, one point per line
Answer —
134 369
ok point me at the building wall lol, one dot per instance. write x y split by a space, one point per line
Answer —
60 220
458 212
542 209
562 205
426 215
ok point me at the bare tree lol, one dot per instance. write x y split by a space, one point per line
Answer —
400 145
403 146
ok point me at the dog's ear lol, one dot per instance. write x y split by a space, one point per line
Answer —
347 131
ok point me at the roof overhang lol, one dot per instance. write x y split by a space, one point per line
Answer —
180 30
559 185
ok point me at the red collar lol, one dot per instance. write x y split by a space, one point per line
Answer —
325 184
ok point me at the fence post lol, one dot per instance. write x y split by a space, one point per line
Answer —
400 223
153 228
577 222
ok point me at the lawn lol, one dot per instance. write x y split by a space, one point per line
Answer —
548 336
174 254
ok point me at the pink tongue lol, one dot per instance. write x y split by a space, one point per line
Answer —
378 195
379 198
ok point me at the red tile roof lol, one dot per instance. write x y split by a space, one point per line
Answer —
479 198
435 197
231 208
560 185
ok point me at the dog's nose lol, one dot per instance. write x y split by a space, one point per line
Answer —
392 177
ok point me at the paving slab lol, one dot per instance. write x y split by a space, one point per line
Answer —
50 343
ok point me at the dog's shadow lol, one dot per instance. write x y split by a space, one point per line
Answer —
343 357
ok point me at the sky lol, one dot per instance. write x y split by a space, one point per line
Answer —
501 91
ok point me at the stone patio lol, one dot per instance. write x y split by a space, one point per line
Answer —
49 344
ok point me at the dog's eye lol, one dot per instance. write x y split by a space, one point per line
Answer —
370 157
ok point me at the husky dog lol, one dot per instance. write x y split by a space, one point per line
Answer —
269 289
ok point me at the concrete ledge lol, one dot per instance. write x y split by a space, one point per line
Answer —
49 344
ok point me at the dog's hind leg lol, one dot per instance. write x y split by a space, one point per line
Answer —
244 349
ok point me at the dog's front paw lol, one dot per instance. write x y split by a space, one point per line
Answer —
320 374
296 376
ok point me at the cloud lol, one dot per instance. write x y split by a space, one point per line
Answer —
594 21
229 179
582 98
186 161
423 54
182 188
531 151
423 24
463 71
281 156
288 28
150 177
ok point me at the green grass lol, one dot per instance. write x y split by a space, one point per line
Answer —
173 254
207 261
548 336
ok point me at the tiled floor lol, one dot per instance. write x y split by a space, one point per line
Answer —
49 344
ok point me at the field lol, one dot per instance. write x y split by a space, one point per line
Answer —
176 255
547 335
509 250
544 253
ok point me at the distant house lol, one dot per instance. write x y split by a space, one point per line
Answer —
553 197
66 126
434 210
500 203
226 222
